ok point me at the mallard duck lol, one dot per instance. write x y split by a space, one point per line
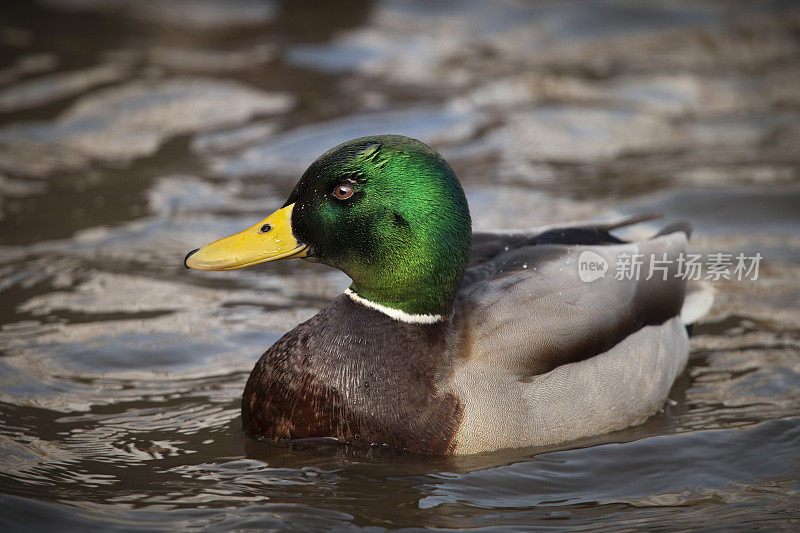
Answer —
449 341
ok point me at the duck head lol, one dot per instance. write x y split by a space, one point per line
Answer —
386 210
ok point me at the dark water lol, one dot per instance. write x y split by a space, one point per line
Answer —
134 131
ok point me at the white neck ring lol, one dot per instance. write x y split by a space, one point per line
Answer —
396 314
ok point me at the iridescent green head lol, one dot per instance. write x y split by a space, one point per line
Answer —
390 213
387 210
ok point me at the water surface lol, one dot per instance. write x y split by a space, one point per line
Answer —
131 132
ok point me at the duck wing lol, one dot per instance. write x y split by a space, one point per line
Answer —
524 308
489 244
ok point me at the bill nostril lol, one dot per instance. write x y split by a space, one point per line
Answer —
265 228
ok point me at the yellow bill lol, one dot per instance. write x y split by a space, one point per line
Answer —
269 240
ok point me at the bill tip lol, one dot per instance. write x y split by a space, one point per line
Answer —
185 259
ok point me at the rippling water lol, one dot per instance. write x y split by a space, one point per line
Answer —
133 131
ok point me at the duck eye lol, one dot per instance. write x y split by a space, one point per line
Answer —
343 191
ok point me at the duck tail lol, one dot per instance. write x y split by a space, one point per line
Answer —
683 226
697 302
630 221
699 294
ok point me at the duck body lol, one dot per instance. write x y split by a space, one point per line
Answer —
360 376
584 359
506 347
